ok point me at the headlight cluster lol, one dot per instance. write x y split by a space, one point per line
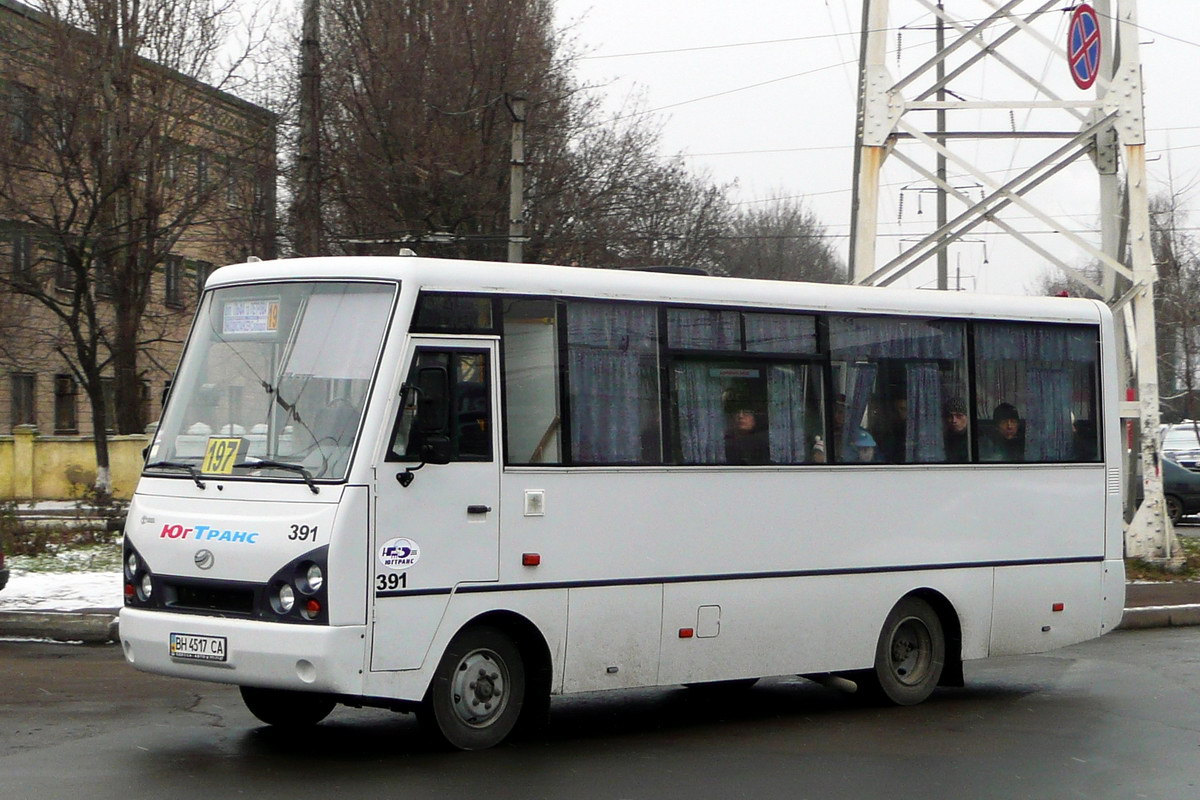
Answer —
139 584
299 590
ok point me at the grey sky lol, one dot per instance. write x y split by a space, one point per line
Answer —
777 115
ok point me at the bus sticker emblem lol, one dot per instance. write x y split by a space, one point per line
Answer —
399 553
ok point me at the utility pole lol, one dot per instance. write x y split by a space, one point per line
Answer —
516 181
1108 126
943 252
306 210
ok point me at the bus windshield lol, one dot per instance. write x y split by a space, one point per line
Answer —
274 381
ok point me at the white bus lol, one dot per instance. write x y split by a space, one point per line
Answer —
460 488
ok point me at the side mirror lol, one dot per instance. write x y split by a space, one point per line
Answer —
436 449
433 400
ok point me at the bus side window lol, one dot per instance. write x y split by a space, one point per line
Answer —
469 426
1036 398
900 377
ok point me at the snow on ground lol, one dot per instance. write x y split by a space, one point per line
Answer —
61 591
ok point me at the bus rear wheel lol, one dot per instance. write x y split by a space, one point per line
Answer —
287 709
909 656
477 691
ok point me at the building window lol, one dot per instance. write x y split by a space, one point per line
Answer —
64 275
22 257
203 270
235 183
22 103
173 269
103 267
144 395
201 172
108 389
23 408
65 420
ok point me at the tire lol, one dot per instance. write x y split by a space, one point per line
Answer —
909 656
1174 509
478 690
287 709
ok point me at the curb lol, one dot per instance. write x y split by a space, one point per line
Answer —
1160 617
90 627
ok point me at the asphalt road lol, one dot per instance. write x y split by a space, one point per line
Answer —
1118 717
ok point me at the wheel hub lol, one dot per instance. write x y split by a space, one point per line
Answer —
480 688
911 651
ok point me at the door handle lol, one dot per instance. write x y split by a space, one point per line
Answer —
478 509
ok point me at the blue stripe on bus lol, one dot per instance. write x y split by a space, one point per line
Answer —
734 576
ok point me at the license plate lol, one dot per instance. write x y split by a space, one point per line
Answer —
198 648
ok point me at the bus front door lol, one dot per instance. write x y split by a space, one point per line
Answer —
436 527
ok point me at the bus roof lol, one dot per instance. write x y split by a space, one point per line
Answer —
435 274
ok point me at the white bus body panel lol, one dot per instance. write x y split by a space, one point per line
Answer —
260 653
454 546
801 605
307 658
669 548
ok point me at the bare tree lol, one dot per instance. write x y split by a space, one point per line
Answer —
124 156
416 143
781 240
1177 298
416 120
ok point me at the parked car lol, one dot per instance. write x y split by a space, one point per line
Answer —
1181 486
3 568
1181 443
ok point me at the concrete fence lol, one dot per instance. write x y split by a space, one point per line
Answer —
36 467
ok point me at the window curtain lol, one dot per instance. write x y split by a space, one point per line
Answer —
780 333
924 440
872 337
612 361
698 395
860 380
787 400
1047 372
1056 344
703 329
1048 433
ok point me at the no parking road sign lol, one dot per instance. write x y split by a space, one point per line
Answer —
1083 46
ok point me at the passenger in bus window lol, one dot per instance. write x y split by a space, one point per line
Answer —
891 432
746 442
864 445
1008 440
839 419
958 449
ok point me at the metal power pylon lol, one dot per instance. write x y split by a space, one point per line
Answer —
1103 123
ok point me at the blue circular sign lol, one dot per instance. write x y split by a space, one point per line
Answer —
1083 46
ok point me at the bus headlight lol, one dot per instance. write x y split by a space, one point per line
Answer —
298 592
284 599
146 588
131 565
313 579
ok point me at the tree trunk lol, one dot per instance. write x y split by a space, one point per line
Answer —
103 486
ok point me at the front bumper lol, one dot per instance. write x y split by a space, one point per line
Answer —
318 658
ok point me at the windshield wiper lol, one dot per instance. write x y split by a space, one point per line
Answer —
264 463
195 473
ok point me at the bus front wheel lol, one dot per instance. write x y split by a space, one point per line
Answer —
477 691
909 656
286 709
